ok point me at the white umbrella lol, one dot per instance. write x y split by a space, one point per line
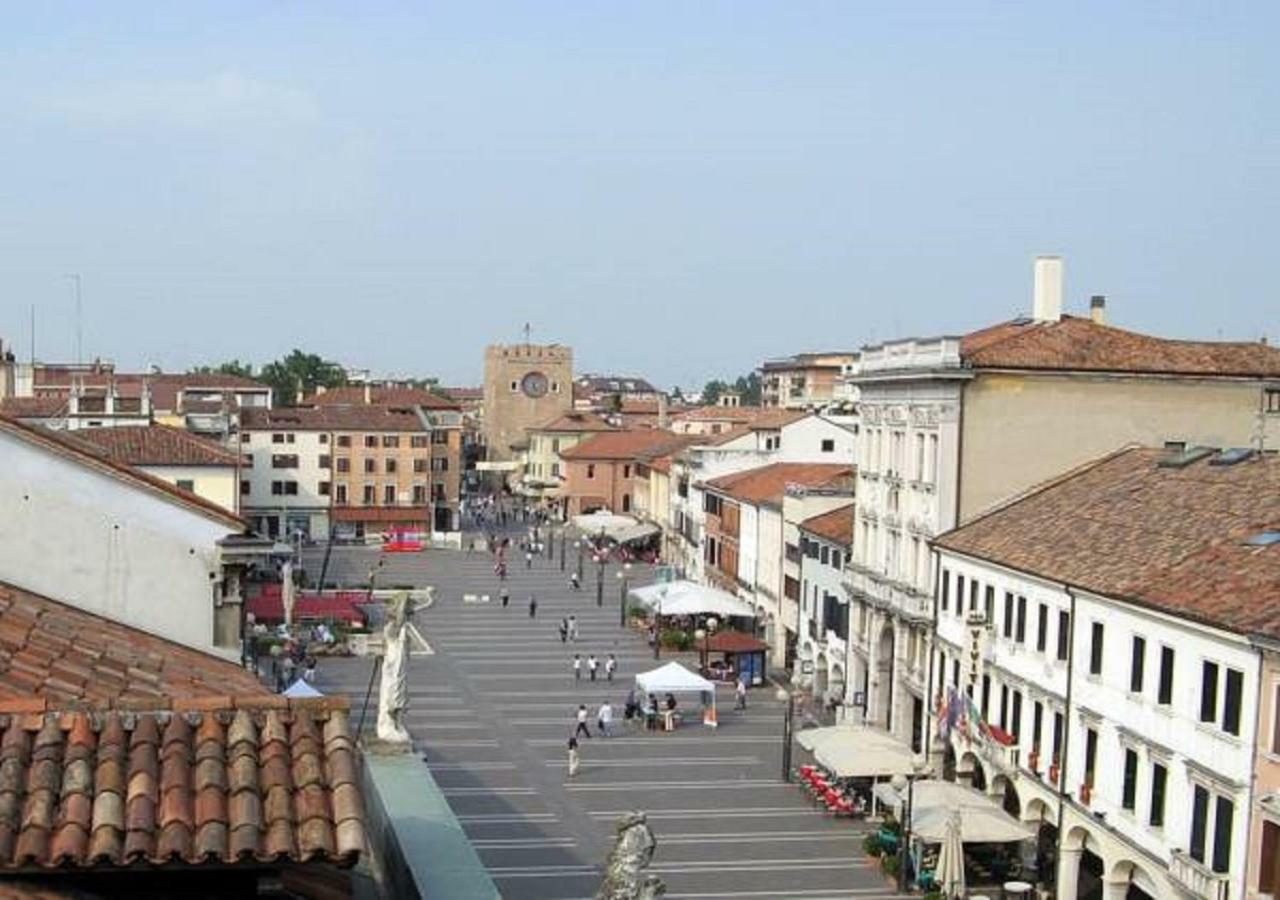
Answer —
949 874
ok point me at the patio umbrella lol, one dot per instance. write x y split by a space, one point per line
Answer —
949 875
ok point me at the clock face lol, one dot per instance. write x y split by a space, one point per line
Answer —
534 384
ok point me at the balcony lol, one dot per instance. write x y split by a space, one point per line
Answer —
887 594
1197 878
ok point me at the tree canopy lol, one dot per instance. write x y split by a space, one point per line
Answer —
296 374
746 386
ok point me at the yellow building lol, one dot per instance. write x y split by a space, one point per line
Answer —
543 476
185 460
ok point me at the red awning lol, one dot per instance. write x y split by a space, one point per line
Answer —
343 606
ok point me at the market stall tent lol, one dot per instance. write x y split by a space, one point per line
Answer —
674 678
688 598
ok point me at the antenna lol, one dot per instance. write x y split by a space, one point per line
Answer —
75 277
527 328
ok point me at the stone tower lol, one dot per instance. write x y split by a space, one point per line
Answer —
524 385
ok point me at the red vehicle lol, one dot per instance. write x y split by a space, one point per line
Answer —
402 540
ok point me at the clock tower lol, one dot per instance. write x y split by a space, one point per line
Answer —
524 385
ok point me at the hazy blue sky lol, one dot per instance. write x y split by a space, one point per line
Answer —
677 190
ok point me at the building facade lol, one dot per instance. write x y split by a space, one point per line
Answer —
542 477
807 380
524 386
187 461
816 553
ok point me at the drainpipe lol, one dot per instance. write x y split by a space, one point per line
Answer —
1253 760
1066 740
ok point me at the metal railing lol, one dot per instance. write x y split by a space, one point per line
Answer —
1198 878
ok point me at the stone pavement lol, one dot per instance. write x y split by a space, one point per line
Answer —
491 710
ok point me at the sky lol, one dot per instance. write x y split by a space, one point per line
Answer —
677 191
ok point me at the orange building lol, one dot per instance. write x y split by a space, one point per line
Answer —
601 472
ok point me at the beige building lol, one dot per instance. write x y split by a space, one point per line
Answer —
806 380
524 386
182 459
542 478
1263 880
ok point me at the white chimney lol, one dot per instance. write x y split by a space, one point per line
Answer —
1098 309
368 394
1047 304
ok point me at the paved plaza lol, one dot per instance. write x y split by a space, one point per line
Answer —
491 710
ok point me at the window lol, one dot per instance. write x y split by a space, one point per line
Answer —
323 489
1004 707
370 495
824 554
835 559
438 492
284 461
390 465
555 470
277 488
1037 725
1064 633
419 494
344 464
1231 695
284 488
418 441
1224 818
515 386
1057 734
186 484
1015 721
391 440
288 438
955 672
370 465
1165 695
1209 692
1042 628
1273 400
1199 822
959 595
324 438
626 503
1137 663
626 470
1008 614
1090 754
1269 875
1095 650
440 464
340 495
245 437
986 697
1275 719
344 440
291 488
591 470
389 495
244 488
973 595
1129 790
277 438
371 440
420 465
1159 779
945 587
828 445
323 462
1021 636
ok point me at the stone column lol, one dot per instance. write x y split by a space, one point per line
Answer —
1115 890
1069 874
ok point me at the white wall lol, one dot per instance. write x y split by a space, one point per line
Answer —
802 442
89 540
308 448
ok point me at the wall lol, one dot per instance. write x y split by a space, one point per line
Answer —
507 412
1063 421
802 442
1267 774
309 446
88 539
217 484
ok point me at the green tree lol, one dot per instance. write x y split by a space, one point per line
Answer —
615 403
712 390
231 367
300 373
746 386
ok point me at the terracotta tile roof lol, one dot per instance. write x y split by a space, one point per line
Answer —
91 456
54 651
767 484
33 407
732 642
270 782
400 398
614 384
627 444
1170 538
835 526
1080 344
720 413
331 418
464 393
574 422
157 445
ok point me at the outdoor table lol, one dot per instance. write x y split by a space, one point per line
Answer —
1017 889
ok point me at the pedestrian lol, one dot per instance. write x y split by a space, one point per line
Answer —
505 594
653 637
564 630
471 547
287 666
582 721
502 571
574 582
604 718
577 667
309 669
610 666
533 606
592 665
573 627
573 755
528 560
740 693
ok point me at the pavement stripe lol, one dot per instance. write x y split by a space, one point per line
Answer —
817 893
482 818
471 766
521 843
661 762
485 791
679 785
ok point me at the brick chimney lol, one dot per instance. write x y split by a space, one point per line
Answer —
1046 305
1098 309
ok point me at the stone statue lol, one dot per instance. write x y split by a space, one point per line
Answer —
624 871
393 693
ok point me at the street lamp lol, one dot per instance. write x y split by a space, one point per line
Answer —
563 539
624 576
600 562
899 782
578 544
788 721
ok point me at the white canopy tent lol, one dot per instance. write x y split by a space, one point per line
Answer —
674 678
853 751
688 598
301 689
603 522
982 820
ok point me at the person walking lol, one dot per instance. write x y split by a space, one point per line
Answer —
573 627
604 718
528 560
573 755
563 629
577 667
505 594
533 606
592 665
574 582
740 693
610 666
582 722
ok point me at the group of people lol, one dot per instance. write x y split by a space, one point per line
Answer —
288 660
593 666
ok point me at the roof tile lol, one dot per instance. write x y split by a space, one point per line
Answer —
767 484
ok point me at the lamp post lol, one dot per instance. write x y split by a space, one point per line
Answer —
788 721
551 542
600 563
578 544
700 638
899 782
563 539
624 576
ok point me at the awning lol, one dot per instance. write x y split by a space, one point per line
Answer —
688 598
673 678
268 606
595 523
640 532
982 820
853 751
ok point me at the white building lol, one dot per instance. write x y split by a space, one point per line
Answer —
819 551
111 540
1101 628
